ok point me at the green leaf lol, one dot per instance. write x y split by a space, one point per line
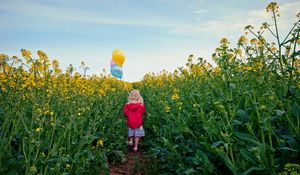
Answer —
246 137
289 149
293 143
296 53
296 110
190 171
279 112
242 114
252 169
248 156
54 159
237 122
12 172
217 144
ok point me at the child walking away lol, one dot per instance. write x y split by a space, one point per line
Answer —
134 111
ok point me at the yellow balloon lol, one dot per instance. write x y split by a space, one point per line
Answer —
118 57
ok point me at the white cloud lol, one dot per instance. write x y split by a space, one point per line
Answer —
230 23
233 24
172 54
64 13
200 11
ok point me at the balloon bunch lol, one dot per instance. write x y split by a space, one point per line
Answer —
116 63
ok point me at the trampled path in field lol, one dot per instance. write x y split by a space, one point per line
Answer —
132 165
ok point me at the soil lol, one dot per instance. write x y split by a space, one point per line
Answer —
133 164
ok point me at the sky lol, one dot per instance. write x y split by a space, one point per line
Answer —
153 34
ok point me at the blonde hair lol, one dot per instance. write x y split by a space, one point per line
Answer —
135 95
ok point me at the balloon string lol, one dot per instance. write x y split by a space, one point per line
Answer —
126 88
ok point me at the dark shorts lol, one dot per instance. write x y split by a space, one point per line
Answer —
136 132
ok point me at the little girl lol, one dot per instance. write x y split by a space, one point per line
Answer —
134 111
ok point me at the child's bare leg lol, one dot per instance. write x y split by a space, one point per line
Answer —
130 141
136 143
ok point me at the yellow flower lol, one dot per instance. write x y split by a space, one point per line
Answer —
33 169
38 129
253 41
217 70
248 68
175 95
265 26
12 84
42 54
26 53
190 59
258 64
273 6
68 165
224 41
55 63
273 48
100 142
238 52
242 40
231 58
167 109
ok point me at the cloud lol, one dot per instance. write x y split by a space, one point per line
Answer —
234 23
196 33
231 23
97 16
200 11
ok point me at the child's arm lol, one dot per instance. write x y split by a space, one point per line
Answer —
143 108
126 111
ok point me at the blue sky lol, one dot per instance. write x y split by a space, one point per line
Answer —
154 34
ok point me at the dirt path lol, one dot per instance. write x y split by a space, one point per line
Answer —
133 164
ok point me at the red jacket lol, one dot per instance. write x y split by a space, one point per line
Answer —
134 113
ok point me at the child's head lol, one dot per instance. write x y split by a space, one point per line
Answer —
135 97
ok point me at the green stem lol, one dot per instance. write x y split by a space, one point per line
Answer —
231 156
46 168
26 158
24 152
278 42
294 129
283 42
37 153
270 134
271 32
293 59
259 38
51 140
259 122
